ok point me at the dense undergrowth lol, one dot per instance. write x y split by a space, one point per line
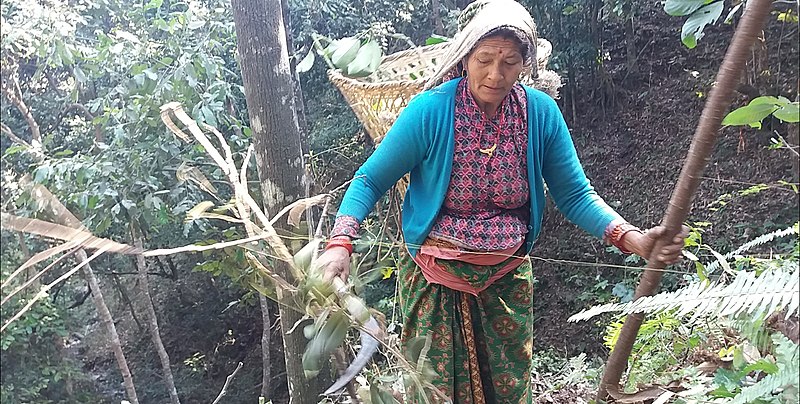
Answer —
631 128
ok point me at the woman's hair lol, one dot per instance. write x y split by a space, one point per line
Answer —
513 35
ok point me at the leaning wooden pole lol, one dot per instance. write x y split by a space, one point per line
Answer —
679 205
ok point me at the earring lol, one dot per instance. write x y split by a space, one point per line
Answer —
463 72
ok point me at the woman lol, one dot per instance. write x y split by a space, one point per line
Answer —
479 149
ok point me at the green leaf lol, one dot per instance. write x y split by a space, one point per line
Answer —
79 74
733 11
683 7
329 337
434 39
208 116
749 115
42 174
366 61
346 51
64 153
766 99
195 24
788 113
305 256
762 365
307 62
153 4
692 29
150 74
14 149
117 48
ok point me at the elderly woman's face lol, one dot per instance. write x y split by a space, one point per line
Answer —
492 69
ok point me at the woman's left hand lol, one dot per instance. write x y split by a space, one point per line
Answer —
643 244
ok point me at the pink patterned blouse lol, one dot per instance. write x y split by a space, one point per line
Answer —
485 208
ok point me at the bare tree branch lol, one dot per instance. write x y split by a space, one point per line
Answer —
85 113
14 138
15 97
227 382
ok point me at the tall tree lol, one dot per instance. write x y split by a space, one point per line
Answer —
269 92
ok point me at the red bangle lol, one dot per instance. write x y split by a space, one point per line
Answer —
620 230
342 241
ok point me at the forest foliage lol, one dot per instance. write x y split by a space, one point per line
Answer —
83 82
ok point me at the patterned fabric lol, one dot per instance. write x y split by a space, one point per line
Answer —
345 226
480 346
485 208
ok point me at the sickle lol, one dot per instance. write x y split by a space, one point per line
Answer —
369 345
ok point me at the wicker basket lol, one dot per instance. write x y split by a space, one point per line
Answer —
378 99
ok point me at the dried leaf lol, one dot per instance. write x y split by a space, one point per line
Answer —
186 172
83 238
646 393
165 109
43 292
297 208
39 257
197 211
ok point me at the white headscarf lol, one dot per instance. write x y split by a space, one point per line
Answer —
489 15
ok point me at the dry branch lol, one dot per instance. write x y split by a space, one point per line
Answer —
155 335
13 95
16 139
227 382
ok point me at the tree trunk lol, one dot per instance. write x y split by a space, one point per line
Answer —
266 337
152 324
630 42
111 329
699 153
269 92
436 14
793 140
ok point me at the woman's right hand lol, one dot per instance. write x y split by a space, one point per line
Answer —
335 261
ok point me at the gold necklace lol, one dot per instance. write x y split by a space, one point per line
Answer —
489 151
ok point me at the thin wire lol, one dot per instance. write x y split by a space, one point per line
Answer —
534 257
782 187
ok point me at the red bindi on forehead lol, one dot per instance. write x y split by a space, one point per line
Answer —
500 47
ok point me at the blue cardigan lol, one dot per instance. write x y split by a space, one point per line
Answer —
421 142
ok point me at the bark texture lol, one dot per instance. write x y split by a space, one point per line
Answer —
266 337
680 203
269 92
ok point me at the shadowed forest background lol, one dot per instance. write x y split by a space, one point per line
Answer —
83 82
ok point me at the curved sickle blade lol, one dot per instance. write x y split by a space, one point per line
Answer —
369 345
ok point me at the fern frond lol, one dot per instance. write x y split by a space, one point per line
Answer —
760 240
759 295
787 375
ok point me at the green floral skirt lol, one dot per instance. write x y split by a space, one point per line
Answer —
480 346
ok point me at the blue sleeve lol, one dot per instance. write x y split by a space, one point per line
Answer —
402 149
566 181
